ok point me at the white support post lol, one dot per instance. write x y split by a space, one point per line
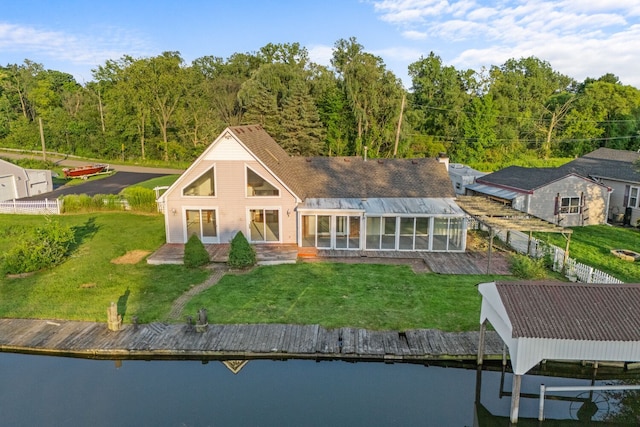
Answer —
515 398
483 328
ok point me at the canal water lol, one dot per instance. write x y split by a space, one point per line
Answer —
56 391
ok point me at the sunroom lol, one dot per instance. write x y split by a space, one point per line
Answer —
382 224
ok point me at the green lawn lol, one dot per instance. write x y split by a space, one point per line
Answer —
592 246
330 294
83 286
335 295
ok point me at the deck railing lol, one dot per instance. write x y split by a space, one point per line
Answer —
32 207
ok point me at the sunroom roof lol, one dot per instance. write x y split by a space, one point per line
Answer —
385 206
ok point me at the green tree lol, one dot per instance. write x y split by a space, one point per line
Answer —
522 90
373 95
439 97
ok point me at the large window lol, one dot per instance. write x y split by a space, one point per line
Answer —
328 231
259 187
264 225
204 186
347 232
202 223
570 205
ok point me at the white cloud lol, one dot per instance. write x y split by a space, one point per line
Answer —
414 35
321 54
78 49
578 38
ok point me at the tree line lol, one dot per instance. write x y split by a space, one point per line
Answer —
160 108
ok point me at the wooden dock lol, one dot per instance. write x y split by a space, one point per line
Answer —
181 341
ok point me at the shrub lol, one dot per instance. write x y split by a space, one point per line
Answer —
195 255
140 199
526 267
241 253
47 246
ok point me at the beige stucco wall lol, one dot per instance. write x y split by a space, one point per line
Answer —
230 201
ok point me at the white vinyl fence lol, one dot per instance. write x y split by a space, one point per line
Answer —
32 207
574 270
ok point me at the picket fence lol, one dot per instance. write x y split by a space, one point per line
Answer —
573 269
32 207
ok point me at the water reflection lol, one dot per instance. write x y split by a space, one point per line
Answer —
38 390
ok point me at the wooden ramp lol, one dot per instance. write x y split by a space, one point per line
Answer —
175 341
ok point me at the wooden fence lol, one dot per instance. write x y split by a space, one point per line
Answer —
32 207
573 269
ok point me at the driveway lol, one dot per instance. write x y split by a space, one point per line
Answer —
113 184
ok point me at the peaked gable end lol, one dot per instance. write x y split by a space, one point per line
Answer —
227 147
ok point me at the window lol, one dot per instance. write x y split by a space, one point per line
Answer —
204 186
202 223
634 192
570 205
264 225
259 187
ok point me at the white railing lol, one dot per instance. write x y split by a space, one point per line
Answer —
32 207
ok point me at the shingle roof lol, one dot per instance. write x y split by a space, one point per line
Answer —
342 177
606 163
572 311
523 179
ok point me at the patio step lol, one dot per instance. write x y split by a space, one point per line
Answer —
307 252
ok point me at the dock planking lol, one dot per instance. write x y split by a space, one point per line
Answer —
160 340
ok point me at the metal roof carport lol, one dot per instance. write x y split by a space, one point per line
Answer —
561 321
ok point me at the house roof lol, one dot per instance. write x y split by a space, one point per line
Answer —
606 163
572 311
347 177
523 179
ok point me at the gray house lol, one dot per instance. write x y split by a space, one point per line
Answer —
617 170
244 181
553 194
17 182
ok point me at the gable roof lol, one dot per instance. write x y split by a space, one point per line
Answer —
347 177
606 163
572 311
524 179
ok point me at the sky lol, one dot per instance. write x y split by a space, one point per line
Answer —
578 38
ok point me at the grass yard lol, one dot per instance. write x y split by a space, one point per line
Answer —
85 284
592 246
335 295
104 268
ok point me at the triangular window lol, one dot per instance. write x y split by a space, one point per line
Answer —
259 187
204 186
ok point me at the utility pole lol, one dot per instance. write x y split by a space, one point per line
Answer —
395 148
44 151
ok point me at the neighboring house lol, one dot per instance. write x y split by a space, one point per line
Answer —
553 194
617 169
244 181
17 182
463 175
